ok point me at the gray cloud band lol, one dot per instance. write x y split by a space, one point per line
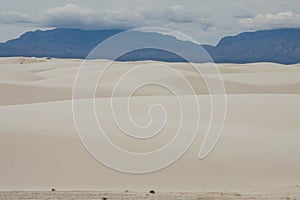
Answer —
91 128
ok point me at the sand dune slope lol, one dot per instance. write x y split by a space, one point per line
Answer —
257 152
36 81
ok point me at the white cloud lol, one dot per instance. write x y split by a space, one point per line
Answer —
206 21
177 17
80 17
74 16
11 17
287 19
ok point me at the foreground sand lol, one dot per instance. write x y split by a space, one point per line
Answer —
257 153
139 196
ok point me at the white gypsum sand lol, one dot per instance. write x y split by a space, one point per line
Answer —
257 152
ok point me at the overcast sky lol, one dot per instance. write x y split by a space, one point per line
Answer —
204 20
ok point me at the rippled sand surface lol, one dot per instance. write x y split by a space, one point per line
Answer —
140 196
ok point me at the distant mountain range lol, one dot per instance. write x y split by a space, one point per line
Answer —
278 46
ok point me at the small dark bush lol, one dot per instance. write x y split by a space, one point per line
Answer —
152 192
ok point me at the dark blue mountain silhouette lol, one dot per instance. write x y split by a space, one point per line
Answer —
279 46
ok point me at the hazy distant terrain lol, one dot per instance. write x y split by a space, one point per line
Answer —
278 46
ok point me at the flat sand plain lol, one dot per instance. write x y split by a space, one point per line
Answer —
77 195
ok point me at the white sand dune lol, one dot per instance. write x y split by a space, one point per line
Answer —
257 152
58 75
